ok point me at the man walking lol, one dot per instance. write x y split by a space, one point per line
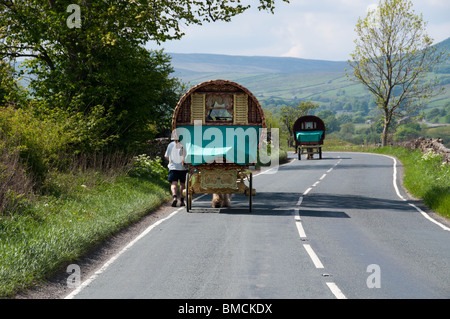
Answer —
175 154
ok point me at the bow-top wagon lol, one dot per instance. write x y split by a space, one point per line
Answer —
219 123
309 133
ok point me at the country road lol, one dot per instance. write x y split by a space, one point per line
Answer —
330 228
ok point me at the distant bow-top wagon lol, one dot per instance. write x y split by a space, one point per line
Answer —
309 133
218 122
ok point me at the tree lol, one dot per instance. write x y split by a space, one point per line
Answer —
407 132
10 91
392 56
289 114
88 59
44 29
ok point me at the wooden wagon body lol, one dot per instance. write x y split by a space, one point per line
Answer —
309 133
219 123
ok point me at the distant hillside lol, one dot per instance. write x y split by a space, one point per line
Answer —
277 80
216 63
284 79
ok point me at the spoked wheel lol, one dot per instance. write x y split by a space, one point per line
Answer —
188 196
250 185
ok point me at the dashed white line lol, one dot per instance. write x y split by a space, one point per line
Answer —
335 290
301 231
313 256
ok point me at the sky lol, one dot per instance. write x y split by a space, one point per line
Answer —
309 29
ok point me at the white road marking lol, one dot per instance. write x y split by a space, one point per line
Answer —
300 229
394 181
315 259
429 218
313 256
335 290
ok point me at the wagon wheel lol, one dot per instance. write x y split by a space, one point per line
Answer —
320 152
188 196
250 191
300 154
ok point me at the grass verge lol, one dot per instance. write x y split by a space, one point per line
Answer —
58 229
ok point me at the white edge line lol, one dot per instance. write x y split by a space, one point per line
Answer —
116 256
313 256
429 218
424 214
394 180
335 290
404 199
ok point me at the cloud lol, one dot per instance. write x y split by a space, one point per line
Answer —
322 29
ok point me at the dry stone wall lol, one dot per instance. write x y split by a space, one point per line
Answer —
427 144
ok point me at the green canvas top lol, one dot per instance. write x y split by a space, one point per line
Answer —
309 136
227 144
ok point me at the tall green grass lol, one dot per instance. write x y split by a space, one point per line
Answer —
58 229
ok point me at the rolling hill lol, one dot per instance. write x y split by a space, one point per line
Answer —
278 80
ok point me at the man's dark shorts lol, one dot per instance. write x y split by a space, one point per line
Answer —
175 176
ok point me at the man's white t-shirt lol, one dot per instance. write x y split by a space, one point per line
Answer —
175 152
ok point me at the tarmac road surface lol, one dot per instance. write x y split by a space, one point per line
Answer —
330 228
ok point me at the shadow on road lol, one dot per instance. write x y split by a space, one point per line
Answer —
313 205
314 165
343 202
323 213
